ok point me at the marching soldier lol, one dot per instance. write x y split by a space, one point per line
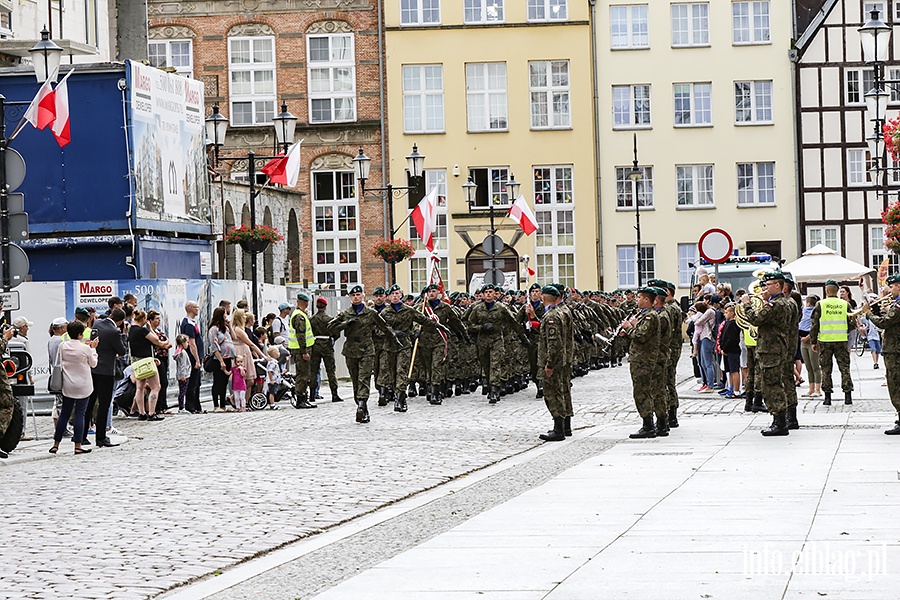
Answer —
889 320
676 343
660 383
554 334
790 387
434 341
381 343
323 348
358 322
830 323
488 318
300 342
643 331
530 316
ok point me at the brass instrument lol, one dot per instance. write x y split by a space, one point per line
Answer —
740 316
884 303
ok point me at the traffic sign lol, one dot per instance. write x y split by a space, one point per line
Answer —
9 300
715 245
18 265
15 168
494 277
493 245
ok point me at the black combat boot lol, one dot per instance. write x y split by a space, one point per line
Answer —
494 395
748 403
647 430
466 387
473 385
400 402
567 426
662 425
848 399
446 389
457 388
312 399
791 418
895 430
540 390
334 395
758 404
778 426
411 390
673 417
389 395
362 411
429 393
382 400
827 400
485 387
557 434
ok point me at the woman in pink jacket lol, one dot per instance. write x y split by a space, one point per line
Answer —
77 357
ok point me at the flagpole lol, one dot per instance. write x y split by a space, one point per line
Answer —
412 361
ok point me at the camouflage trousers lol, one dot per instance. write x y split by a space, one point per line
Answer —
434 365
752 383
555 388
490 355
6 411
840 353
771 380
892 371
671 366
789 382
301 370
395 369
661 383
323 352
361 368
643 381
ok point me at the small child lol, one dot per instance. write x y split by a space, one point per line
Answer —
273 374
182 368
239 384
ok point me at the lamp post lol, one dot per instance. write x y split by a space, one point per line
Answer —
875 37
415 163
635 175
492 242
216 128
46 56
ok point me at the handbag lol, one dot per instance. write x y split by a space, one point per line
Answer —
210 363
144 368
55 384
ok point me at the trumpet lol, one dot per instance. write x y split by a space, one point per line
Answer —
883 304
740 315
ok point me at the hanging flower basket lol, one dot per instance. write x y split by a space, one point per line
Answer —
393 251
891 218
253 239
891 214
891 133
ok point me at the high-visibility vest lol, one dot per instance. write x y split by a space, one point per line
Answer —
833 320
748 339
292 334
86 339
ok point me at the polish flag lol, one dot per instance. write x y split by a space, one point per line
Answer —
521 214
285 168
424 217
42 110
531 271
60 126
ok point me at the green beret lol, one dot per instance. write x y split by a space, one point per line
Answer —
535 286
394 288
454 295
660 291
670 286
789 278
302 296
429 287
551 290
776 275
82 311
356 289
658 283
647 290
378 291
895 278
832 282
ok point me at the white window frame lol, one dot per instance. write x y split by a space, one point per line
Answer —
696 20
756 179
495 178
481 87
636 93
478 11
427 102
548 10
688 254
882 10
644 188
753 13
699 99
819 234
858 164
257 100
553 95
414 12
634 30
420 262
757 94
626 265
696 184
877 251
337 98
344 186
893 73
167 56
857 82
554 209
92 25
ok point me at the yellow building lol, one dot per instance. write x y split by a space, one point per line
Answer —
706 87
492 89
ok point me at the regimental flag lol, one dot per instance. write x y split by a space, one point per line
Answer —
521 213
424 217
284 168
60 126
434 277
531 271
42 110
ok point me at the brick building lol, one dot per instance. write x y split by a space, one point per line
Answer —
322 58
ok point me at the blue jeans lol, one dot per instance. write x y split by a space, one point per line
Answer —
708 361
80 406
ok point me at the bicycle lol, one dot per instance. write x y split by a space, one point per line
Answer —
861 345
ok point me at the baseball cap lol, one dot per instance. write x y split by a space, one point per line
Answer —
59 322
21 322
283 306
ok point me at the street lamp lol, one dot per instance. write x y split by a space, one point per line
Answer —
415 164
493 243
636 174
216 128
875 37
46 56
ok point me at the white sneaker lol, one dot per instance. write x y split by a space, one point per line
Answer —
113 431
183 412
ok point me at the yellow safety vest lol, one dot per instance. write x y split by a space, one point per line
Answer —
748 339
292 334
833 320
86 339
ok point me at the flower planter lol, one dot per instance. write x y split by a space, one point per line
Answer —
392 259
254 246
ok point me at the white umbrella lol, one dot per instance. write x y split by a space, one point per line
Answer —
821 263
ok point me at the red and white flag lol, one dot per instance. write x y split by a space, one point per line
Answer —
434 277
60 126
42 110
284 168
521 213
424 217
531 271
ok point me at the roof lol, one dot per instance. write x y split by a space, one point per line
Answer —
809 16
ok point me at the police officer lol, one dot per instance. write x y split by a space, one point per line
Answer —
828 334
643 331
889 320
554 360
300 343
323 348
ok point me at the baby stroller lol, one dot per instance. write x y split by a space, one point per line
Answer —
260 400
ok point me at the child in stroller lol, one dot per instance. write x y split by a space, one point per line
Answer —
277 384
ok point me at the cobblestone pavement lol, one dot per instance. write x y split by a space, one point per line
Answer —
191 495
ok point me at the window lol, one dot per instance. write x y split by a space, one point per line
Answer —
687 255
752 102
830 236
332 78
336 228
858 164
555 237
420 12
420 262
756 184
693 104
423 98
690 24
172 53
750 22
859 81
894 75
90 23
878 253
629 28
868 7
625 188
251 67
552 185
486 96
547 10
491 182
631 106
483 11
549 85
694 185
627 265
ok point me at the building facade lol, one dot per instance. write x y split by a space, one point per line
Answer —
706 88
84 29
839 204
485 89
323 60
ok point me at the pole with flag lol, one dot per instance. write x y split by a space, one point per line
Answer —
424 217
284 168
522 214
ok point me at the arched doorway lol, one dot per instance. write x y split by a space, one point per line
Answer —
293 248
229 268
269 254
478 262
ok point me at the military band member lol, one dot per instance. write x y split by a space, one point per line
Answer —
676 343
830 324
889 320
554 334
323 349
643 331
795 306
661 394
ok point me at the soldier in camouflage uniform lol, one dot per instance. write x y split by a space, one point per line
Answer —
433 346
469 365
6 395
358 322
530 316
889 320
773 321
381 342
795 306
554 334
643 331
676 343
660 382
323 348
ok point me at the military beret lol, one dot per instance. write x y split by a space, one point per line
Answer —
394 288
81 310
321 300
629 291
534 286
788 277
356 289
831 282
551 290
651 291
303 297
660 291
670 286
773 276
658 283
429 287
895 278
378 291
454 295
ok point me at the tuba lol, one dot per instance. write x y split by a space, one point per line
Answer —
740 316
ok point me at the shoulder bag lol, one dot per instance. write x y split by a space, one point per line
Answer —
55 384
144 368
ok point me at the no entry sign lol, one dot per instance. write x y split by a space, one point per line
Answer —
716 245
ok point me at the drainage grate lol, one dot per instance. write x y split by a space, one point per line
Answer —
661 453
